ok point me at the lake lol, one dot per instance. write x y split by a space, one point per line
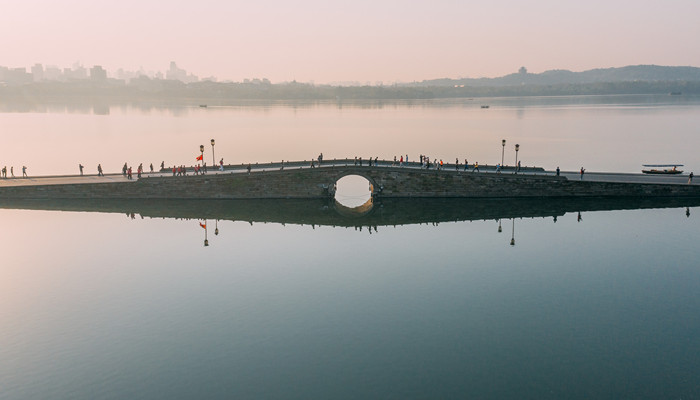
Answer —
448 299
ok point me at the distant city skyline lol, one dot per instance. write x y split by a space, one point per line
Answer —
359 42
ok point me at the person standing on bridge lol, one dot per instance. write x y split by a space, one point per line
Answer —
401 161
558 170
12 171
690 178
80 166
221 165
151 167
582 171
248 168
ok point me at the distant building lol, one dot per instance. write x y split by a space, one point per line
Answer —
77 73
97 73
38 72
15 76
178 74
52 73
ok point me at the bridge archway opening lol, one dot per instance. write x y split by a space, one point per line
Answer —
353 191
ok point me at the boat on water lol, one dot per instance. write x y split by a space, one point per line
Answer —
662 169
485 106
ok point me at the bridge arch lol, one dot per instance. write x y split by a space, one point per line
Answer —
357 172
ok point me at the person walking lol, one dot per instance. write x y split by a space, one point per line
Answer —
466 164
582 171
221 165
24 172
81 168
476 167
99 170
151 167
12 171
690 178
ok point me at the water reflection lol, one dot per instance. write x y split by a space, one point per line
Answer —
180 107
369 217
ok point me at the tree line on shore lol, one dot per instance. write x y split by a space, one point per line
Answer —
204 91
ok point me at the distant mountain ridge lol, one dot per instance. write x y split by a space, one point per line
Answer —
631 73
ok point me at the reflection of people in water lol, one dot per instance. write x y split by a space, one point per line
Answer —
555 219
579 217
687 212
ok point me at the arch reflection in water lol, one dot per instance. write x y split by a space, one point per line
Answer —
372 214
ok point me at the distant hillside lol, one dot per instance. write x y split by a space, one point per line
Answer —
645 73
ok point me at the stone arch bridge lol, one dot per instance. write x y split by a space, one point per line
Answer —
299 181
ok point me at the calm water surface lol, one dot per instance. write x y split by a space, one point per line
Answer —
295 302
601 133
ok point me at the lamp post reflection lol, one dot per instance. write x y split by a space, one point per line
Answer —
213 158
216 228
204 226
499 226
512 235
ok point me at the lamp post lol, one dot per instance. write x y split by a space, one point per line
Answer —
213 158
517 148
201 149
503 151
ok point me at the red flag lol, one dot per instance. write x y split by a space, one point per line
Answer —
203 225
199 157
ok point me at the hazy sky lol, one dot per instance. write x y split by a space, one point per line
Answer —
360 40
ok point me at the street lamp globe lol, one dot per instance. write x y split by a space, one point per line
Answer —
201 148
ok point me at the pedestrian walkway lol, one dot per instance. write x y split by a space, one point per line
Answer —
296 165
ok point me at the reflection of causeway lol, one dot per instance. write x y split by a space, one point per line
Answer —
330 213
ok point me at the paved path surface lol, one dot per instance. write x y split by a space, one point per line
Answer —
588 176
